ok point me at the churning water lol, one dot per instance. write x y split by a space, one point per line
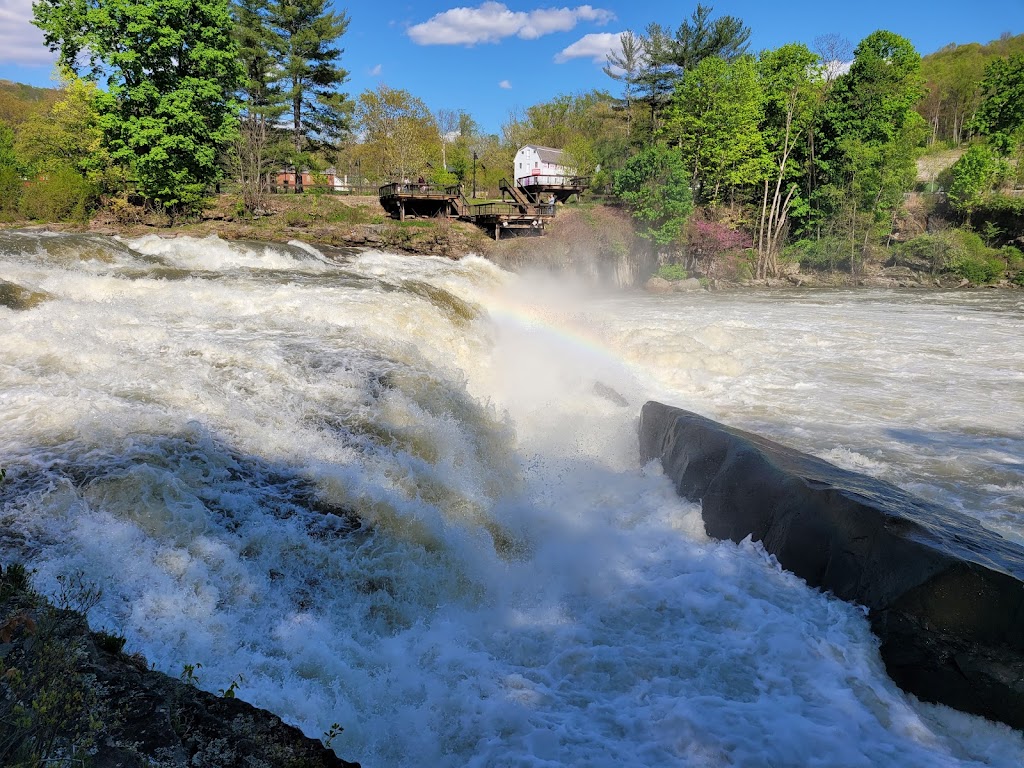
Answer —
403 494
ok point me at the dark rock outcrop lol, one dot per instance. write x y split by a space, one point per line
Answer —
945 595
70 693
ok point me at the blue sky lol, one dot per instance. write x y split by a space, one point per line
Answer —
493 58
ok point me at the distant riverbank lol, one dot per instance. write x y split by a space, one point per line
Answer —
597 243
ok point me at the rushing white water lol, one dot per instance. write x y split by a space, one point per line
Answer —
403 494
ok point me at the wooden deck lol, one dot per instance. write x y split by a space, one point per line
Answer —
549 189
520 216
421 200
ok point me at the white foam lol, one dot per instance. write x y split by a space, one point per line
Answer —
521 592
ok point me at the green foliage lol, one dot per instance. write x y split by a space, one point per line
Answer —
399 135
67 135
60 195
1014 257
868 141
110 643
820 254
296 219
668 56
655 184
18 101
170 69
10 192
953 78
714 119
1000 115
229 692
331 734
188 674
307 32
14 580
672 272
48 708
8 157
978 171
957 251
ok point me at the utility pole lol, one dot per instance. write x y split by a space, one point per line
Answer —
474 175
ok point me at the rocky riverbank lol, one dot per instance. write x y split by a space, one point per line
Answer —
596 243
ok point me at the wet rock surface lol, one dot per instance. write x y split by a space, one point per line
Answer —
944 595
68 694
14 296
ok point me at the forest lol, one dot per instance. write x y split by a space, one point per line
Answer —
732 163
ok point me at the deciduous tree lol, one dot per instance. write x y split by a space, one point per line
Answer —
714 120
655 184
791 80
171 68
1000 115
399 134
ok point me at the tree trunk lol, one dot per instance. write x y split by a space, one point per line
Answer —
297 133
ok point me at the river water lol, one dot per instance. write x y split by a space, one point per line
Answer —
404 495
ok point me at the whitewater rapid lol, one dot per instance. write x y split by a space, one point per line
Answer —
403 495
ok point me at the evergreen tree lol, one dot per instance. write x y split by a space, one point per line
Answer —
669 56
307 33
625 67
258 148
171 69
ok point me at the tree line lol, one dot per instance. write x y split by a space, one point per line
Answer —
730 161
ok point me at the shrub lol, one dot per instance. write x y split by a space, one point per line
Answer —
296 219
10 193
61 195
958 251
109 642
823 254
672 272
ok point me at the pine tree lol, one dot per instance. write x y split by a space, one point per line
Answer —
259 146
307 34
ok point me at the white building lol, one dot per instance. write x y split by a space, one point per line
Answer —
542 165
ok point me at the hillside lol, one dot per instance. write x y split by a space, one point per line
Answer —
953 77
18 101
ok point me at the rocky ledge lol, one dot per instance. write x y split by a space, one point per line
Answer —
72 696
944 595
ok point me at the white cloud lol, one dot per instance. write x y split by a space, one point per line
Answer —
20 41
505 84
595 46
376 70
491 22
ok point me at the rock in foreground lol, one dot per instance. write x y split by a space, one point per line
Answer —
71 696
944 594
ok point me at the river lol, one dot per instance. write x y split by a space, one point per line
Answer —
404 495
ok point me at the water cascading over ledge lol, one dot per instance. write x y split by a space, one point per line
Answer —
944 594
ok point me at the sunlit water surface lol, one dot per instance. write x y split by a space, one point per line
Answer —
404 495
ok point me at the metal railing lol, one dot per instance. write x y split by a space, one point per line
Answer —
556 180
494 209
415 188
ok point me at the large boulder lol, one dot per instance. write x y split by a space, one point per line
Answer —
944 595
